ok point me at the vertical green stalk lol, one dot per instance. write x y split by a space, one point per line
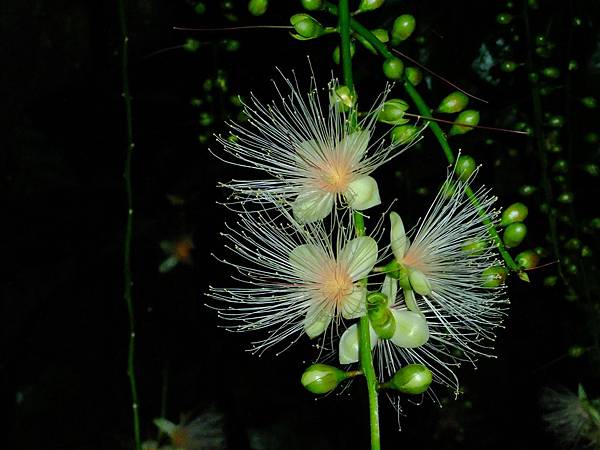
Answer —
365 356
127 294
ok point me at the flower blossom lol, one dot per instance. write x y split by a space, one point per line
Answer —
299 278
313 156
443 313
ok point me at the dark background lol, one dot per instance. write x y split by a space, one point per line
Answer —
64 321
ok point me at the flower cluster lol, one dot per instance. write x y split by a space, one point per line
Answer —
303 271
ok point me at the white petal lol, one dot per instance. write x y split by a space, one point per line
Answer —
398 239
306 260
312 205
355 146
419 282
363 193
390 289
359 256
411 329
355 304
316 321
349 348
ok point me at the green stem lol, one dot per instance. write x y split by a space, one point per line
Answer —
127 294
436 130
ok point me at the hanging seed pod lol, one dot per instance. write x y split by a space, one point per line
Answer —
468 117
453 103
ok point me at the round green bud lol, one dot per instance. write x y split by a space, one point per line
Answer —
191 45
465 166
551 72
517 212
550 281
586 251
508 66
369 5
533 77
561 166
573 65
231 45
527 259
468 117
541 251
403 27
345 97
514 234
337 53
411 379
573 244
504 18
306 27
206 119
312 5
556 121
199 8
526 190
403 134
393 112
414 75
592 169
393 68
453 103
322 378
494 276
258 7
576 351
565 198
475 248
589 102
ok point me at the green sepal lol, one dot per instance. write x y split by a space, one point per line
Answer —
380 315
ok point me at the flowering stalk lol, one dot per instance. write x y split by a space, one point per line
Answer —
366 357
435 128
129 225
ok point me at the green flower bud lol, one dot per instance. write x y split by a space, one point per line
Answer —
573 65
550 281
414 75
573 244
380 315
465 166
475 248
199 8
344 96
565 198
393 68
403 134
206 119
576 351
306 27
504 18
527 259
453 103
403 27
526 190
411 379
312 5
589 102
508 66
337 52
494 276
191 45
556 121
514 234
592 169
586 251
551 72
369 5
379 33
393 112
322 378
533 77
258 7
468 117
517 212
561 166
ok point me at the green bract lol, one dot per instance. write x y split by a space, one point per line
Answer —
470 119
404 26
393 112
453 103
322 378
411 379
306 27
393 68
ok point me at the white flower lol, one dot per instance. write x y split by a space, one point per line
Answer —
299 278
441 307
310 154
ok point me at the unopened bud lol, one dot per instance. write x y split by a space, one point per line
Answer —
380 315
403 27
494 276
470 119
403 134
322 378
465 166
411 379
306 26
453 103
369 5
393 112
527 259
258 7
393 68
312 5
517 212
414 75
514 234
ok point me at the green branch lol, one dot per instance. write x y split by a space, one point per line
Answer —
424 110
127 294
